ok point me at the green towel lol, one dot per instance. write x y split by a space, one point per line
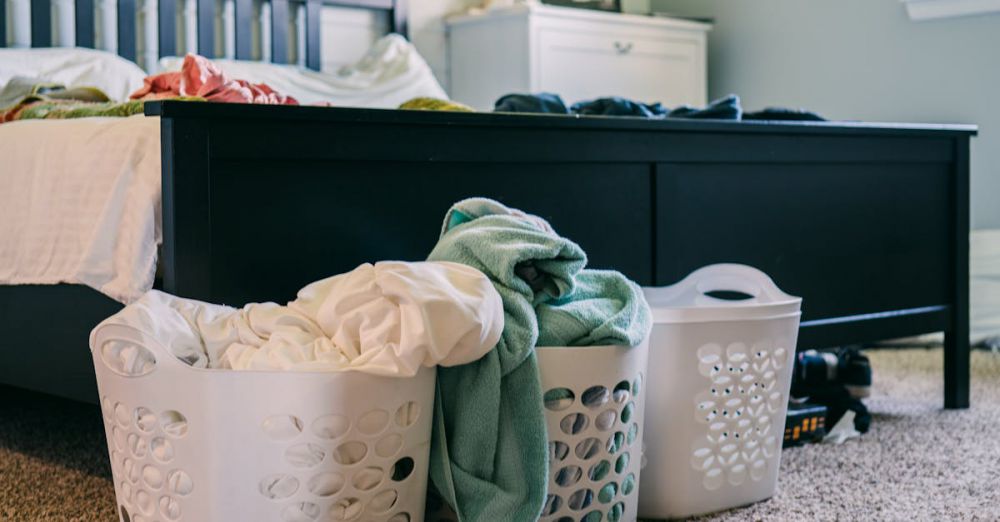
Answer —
488 456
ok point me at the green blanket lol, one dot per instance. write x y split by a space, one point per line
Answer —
488 457
33 99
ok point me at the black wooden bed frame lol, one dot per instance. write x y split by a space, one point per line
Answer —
41 25
869 223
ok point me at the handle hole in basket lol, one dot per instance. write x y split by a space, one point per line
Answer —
127 359
729 295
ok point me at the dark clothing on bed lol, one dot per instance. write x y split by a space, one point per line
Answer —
727 108
545 102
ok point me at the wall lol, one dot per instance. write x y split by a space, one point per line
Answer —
427 31
862 59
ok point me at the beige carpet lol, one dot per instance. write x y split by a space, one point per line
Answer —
919 462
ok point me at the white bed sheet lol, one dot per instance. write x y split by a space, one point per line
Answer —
80 203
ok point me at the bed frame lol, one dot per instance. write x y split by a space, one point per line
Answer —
160 29
869 223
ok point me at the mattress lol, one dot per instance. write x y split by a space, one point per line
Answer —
80 202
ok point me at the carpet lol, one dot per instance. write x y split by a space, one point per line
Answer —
919 462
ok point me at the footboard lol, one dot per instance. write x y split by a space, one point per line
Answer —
867 222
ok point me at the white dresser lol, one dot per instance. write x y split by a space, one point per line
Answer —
578 54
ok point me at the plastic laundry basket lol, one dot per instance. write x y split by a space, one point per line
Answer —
212 445
718 391
594 402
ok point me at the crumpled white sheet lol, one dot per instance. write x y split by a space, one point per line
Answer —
390 319
390 73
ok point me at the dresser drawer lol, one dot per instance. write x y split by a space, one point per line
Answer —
596 61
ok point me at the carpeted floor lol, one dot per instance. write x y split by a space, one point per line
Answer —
919 462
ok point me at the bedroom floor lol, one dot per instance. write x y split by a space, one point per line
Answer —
919 462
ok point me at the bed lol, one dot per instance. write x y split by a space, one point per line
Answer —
868 222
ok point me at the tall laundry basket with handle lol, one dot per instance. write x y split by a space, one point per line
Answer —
199 445
721 355
594 402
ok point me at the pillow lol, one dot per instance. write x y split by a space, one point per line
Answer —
73 67
390 73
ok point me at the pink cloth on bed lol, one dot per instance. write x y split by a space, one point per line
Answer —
200 77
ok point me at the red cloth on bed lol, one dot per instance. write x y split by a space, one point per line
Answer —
202 78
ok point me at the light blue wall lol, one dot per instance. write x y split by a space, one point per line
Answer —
866 60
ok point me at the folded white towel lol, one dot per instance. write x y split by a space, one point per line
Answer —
385 319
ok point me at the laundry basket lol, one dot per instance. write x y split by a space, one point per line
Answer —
212 445
594 403
718 391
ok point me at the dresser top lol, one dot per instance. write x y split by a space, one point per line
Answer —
573 13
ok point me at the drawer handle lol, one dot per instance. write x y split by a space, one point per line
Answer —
623 48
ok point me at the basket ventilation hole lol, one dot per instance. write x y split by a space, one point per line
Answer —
606 420
569 476
152 477
633 433
565 519
326 484
125 517
389 445
145 419
588 448
595 397
162 450
622 463
350 453
170 508
144 501
346 509
622 393
121 414
558 451
402 469
400 517
617 512
300 512
137 445
278 486
383 501
106 408
574 423
552 505
126 490
331 426
407 414
615 442
174 423
599 471
627 412
282 427
628 484
305 455
368 479
373 422
608 493
581 499
179 482
131 470
558 399
128 359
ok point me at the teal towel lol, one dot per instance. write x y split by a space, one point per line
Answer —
488 455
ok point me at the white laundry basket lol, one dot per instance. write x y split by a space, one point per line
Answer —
720 372
594 402
212 445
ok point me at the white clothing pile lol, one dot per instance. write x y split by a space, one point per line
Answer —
384 319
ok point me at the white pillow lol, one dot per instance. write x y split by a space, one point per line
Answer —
74 67
390 73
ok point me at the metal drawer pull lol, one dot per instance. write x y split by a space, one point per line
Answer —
623 48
